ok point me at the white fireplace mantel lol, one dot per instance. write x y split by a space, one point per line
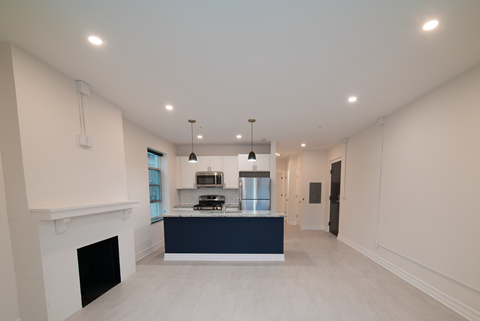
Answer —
62 215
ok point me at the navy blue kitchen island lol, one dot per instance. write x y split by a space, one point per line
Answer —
230 236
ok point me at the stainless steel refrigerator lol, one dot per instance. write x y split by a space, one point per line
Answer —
254 191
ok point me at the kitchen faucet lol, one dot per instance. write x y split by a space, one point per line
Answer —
224 208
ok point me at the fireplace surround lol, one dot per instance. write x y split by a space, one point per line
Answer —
46 256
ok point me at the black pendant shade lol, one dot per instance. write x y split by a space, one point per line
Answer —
251 156
192 158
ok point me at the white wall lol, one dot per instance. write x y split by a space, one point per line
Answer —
148 237
222 150
429 191
281 164
16 195
58 172
292 189
273 176
313 165
9 309
42 163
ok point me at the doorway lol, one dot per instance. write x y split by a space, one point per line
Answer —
335 172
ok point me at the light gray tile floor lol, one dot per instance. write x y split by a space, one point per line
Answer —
321 279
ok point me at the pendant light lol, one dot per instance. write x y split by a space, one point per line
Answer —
192 158
251 156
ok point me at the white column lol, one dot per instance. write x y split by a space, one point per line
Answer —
273 176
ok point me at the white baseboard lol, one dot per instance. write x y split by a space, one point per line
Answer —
443 298
311 227
149 250
223 257
292 222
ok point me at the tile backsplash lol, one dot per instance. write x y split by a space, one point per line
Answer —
190 196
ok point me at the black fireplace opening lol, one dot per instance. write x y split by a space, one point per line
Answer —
99 267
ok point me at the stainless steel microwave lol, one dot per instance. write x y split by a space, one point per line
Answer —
209 179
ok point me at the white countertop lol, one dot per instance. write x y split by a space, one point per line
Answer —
228 213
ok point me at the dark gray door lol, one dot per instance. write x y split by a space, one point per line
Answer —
335 196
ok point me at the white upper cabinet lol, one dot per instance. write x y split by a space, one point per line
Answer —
188 171
244 164
261 164
230 171
209 164
203 163
216 163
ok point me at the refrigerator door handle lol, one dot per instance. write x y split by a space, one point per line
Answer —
239 195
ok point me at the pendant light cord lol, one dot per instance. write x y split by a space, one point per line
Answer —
192 137
252 134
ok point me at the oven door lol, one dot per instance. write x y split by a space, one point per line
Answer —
209 179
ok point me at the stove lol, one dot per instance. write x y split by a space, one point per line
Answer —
210 202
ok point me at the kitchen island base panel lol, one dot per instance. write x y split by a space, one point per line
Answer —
223 257
224 235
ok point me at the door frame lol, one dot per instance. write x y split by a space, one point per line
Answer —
283 190
298 200
340 158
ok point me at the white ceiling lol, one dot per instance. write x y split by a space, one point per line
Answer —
289 64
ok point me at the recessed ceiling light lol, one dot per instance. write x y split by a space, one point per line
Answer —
200 136
239 136
95 40
352 99
169 107
303 145
430 25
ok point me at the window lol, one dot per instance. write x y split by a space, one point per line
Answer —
155 185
